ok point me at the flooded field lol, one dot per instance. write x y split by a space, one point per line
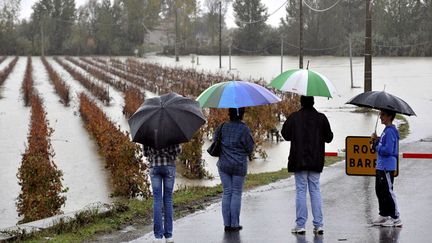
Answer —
84 172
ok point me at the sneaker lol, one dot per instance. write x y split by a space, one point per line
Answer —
391 222
318 230
298 230
157 240
380 220
169 240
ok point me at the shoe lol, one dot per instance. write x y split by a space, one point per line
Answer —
298 230
391 222
380 220
157 240
227 228
318 230
169 240
237 228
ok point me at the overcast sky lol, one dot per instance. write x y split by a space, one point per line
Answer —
272 5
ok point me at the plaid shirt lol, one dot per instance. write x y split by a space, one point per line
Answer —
160 157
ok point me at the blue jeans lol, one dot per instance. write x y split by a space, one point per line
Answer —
231 198
305 179
162 179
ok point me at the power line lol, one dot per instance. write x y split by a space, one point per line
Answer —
398 46
261 20
406 45
315 49
320 10
252 51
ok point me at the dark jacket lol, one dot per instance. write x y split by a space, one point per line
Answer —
308 130
237 144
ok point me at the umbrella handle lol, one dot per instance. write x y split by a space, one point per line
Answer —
156 137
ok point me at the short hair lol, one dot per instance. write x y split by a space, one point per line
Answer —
307 101
390 113
236 114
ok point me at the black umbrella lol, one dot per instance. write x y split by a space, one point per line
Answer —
382 100
166 120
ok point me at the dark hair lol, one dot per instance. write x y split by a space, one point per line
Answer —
236 114
307 101
390 113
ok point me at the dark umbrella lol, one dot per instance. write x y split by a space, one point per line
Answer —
166 120
382 100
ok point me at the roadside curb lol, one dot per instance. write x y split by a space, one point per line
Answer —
12 232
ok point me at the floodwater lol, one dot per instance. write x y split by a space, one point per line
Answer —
76 153
410 78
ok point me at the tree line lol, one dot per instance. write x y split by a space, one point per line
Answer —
129 27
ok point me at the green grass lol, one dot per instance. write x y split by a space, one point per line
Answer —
133 211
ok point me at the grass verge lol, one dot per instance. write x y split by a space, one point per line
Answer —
124 212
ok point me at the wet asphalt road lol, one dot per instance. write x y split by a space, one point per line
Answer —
349 204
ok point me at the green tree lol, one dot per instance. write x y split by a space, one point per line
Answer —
139 17
187 12
211 20
9 10
250 17
54 19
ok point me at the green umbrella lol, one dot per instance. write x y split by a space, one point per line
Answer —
304 82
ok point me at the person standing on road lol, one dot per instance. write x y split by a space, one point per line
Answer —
387 151
162 163
236 144
308 130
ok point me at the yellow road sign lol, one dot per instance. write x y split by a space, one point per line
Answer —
360 158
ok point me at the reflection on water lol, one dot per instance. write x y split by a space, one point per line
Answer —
389 234
303 239
368 192
232 237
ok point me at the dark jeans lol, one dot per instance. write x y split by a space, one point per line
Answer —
386 196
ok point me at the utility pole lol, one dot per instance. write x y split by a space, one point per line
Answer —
176 36
350 54
230 56
42 38
368 48
220 34
282 54
350 43
301 34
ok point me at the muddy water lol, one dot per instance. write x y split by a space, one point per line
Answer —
75 152
14 119
84 172
114 110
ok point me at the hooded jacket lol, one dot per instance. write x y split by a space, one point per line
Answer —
308 130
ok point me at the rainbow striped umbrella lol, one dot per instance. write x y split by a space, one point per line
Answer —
304 82
236 94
